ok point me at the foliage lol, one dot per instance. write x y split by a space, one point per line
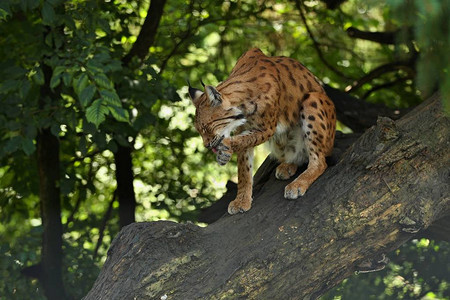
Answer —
429 20
418 270
61 68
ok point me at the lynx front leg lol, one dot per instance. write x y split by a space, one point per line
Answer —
243 201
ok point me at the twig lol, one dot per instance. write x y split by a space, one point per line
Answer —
72 214
384 86
188 33
103 225
316 44
377 72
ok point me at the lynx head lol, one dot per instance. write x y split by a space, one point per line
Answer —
215 118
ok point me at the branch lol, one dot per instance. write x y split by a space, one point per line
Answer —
406 66
391 183
316 44
103 225
191 29
333 4
147 35
357 114
379 37
385 86
174 50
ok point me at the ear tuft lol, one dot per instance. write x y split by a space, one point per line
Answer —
213 95
194 93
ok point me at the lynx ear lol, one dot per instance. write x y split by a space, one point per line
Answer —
213 95
194 93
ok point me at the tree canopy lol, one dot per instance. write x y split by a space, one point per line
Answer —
96 128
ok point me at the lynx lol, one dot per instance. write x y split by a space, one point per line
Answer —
267 99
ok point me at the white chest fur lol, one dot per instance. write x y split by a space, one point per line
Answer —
288 145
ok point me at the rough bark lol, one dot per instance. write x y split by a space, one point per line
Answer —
390 184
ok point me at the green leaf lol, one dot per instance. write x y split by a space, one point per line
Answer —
119 113
9 85
55 81
82 145
48 14
67 78
38 77
87 94
112 146
99 138
13 144
111 97
96 112
55 129
56 76
28 146
24 88
80 82
59 70
103 81
3 14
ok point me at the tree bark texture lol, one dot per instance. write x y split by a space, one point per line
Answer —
391 184
49 194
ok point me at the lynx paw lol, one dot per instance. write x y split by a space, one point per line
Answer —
285 171
223 152
240 204
294 190
223 157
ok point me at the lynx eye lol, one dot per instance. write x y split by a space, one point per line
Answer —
203 129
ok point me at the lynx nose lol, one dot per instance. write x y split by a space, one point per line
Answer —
207 143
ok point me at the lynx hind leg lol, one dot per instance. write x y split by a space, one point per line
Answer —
285 171
318 119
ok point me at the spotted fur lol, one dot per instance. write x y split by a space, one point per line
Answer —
267 99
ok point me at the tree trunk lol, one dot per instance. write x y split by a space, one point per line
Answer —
390 184
122 158
51 257
125 189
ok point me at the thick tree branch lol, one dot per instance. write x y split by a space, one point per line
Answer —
333 4
357 114
392 183
148 31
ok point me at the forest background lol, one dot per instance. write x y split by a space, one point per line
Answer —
96 126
